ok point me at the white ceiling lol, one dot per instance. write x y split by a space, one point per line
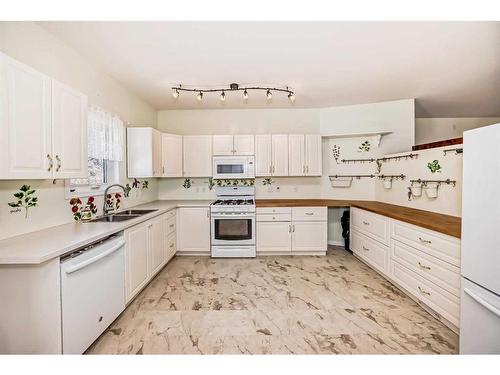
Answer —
451 68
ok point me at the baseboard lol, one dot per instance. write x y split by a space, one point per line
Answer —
336 243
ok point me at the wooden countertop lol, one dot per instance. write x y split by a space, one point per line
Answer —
446 224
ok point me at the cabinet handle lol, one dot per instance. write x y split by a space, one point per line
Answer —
171 245
366 249
424 240
208 214
289 229
171 225
366 223
303 169
51 163
163 170
307 169
274 169
293 228
274 217
423 291
424 266
309 213
58 163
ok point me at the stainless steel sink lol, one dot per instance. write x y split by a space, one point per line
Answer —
113 218
134 212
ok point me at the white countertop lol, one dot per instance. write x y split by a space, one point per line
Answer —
41 246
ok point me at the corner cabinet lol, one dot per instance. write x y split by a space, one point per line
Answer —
197 155
43 125
144 152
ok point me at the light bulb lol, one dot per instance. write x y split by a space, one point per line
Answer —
223 96
291 97
269 95
245 95
199 97
175 93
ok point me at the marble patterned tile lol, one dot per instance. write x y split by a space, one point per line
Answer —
274 305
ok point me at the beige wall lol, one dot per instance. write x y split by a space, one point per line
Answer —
32 45
438 129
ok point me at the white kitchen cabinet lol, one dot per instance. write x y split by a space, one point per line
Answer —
274 237
197 155
194 230
69 142
157 244
43 125
144 152
271 155
280 154
171 155
233 145
136 260
305 156
309 236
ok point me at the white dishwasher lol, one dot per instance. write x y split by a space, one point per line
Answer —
92 292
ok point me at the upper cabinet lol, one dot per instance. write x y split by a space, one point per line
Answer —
144 153
271 155
43 124
305 155
233 145
197 155
171 155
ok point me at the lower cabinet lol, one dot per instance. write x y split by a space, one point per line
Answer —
291 230
373 253
194 230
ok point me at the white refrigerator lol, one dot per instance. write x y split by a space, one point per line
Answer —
480 264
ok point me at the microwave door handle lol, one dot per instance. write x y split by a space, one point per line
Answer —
482 302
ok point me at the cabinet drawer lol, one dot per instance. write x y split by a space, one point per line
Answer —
375 254
171 225
444 303
309 213
441 246
440 273
171 245
373 225
274 210
274 217
170 214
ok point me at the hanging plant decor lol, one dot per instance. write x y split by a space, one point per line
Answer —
187 183
25 199
336 153
365 146
434 166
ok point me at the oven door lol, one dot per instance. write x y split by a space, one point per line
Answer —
230 228
233 168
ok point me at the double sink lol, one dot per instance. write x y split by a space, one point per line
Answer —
121 216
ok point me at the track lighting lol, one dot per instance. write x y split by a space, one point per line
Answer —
269 95
199 97
245 95
175 93
291 97
223 96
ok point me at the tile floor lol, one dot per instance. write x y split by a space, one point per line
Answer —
274 305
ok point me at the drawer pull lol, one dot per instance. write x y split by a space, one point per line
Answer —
309 213
424 240
366 249
171 225
274 217
171 245
366 223
423 266
423 291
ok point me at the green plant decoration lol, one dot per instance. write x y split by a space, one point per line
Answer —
25 198
365 146
336 153
145 184
227 182
434 166
267 181
187 183
127 190
211 183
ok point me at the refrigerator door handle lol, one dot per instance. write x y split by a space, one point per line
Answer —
482 302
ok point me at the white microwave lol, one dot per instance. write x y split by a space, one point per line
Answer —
233 167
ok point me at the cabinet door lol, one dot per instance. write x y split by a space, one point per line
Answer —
140 151
136 259
263 155
157 154
280 154
171 155
197 155
70 150
244 144
313 155
309 237
274 237
194 230
296 161
25 122
223 145
157 244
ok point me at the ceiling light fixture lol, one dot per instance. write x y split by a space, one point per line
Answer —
235 87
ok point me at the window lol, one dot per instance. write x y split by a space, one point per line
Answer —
105 150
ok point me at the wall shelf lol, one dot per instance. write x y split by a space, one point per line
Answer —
377 134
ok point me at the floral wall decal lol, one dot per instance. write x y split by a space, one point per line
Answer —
248 182
25 199
434 166
187 183
365 146
145 184
83 213
267 181
211 183
113 201
336 153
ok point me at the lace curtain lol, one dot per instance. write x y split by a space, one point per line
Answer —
105 135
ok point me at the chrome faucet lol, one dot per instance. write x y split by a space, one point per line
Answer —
105 210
